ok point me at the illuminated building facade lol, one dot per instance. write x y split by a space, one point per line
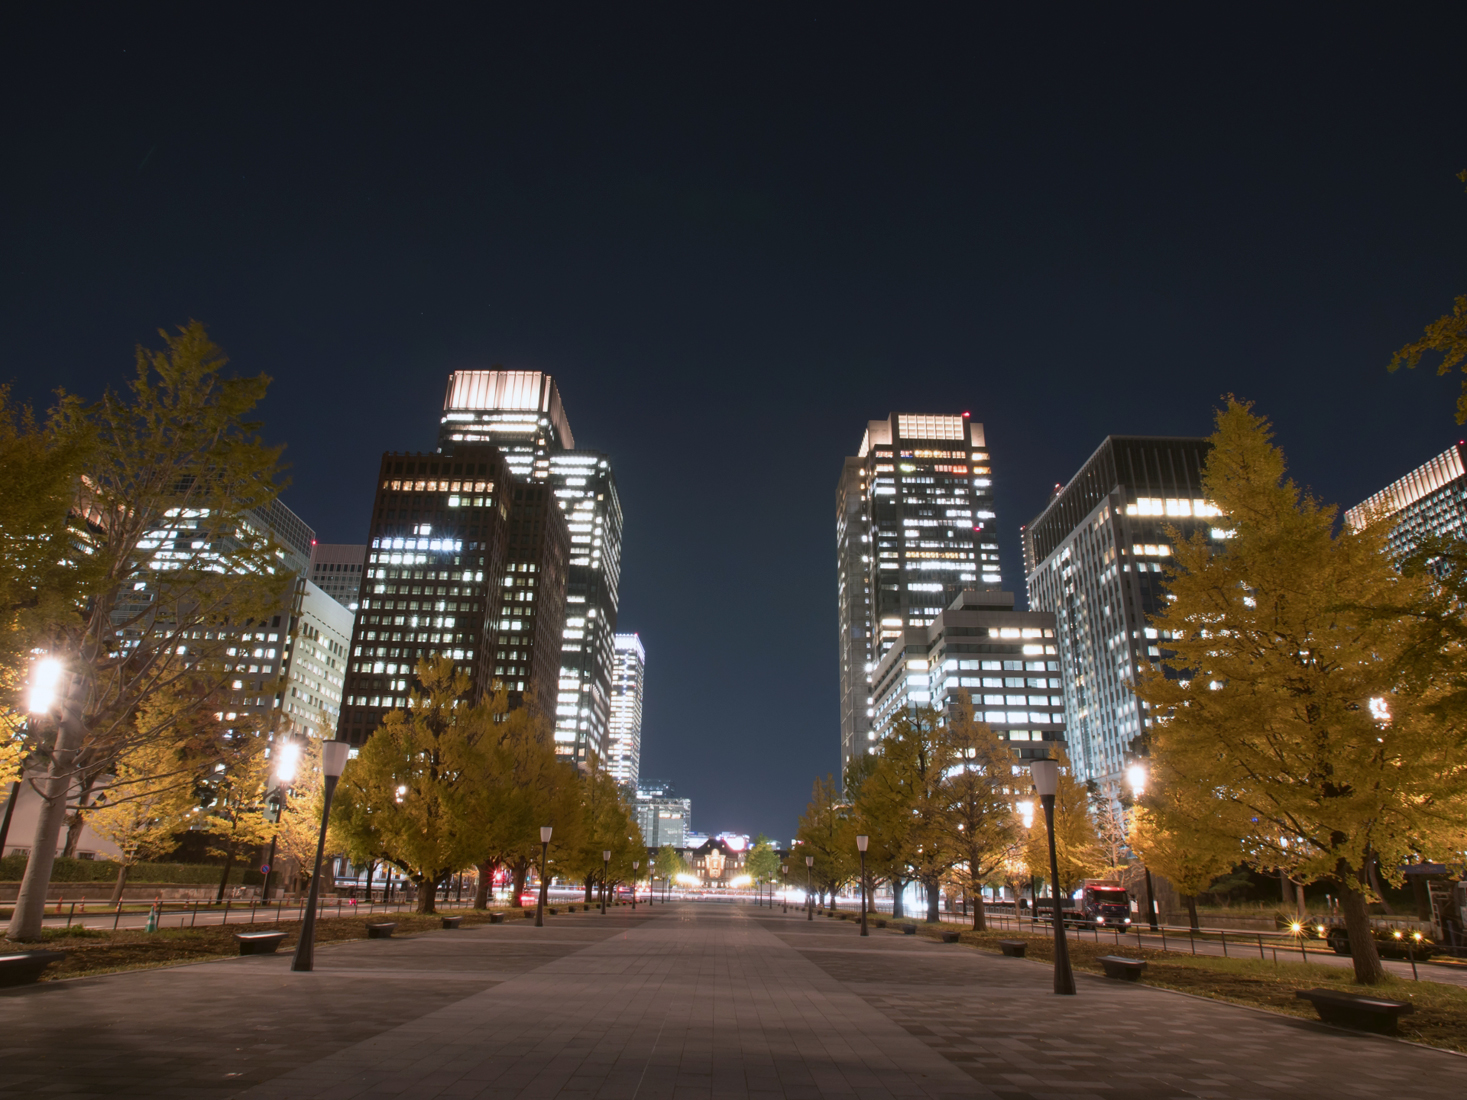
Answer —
463 562
664 818
1006 662
520 412
1430 501
915 527
628 682
337 569
1095 559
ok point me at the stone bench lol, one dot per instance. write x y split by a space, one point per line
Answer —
1351 1010
496 918
1122 968
259 943
1014 949
381 931
909 929
25 967
452 922
948 937
551 910
529 914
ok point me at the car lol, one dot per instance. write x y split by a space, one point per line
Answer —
529 900
1392 943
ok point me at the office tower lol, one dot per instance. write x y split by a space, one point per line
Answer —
446 527
1005 662
315 666
663 817
628 682
1095 559
914 529
520 412
336 568
1430 501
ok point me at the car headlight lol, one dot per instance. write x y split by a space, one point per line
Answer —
1128 920
1099 920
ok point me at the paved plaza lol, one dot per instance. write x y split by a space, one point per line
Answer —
695 1001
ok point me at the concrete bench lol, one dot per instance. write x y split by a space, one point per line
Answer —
881 924
1014 949
381 931
948 937
909 929
452 922
1121 968
496 918
529 914
551 910
259 943
25 967
1351 1010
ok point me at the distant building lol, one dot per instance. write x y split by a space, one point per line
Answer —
1005 661
1094 559
520 412
1430 501
315 664
914 527
715 863
628 682
336 568
664 818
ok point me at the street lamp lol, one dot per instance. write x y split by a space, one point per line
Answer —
333 763
635 864
809 897
1136 778
1046 782
605 874
285 765
861 841
784 875
545 831
45 679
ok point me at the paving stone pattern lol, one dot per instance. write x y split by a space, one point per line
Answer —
683 1002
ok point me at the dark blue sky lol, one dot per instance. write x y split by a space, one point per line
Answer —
734 238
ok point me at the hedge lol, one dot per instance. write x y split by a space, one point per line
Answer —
12 868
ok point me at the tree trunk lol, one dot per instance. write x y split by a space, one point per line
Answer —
1286 886
121 882
934 896
590 885
1191 900
520 870
1373 869
1368 970
371 866
224 878
980 917
427 895
1300 908
898 888
76 819
832 899
481 892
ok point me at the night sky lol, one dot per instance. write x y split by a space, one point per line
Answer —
733 239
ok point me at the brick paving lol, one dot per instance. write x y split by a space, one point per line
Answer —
685 1002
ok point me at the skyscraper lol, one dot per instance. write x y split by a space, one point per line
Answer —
463 562
520 412
663 817
1094 559
914 528
1430 501
628 682
336 568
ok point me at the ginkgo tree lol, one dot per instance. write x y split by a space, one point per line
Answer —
1302 712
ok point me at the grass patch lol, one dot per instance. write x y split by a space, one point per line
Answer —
98 951
1440 1018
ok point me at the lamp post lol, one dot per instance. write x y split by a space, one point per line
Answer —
605 874
545 831
861 841
1136 777
809 897
1046 782
285 765
333 763
636 863
784 875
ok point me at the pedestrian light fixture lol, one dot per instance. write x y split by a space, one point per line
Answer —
605 875
1045 774
1136 779
784 874
545 831
333 763
45 680
809 895
288 758
861 841
636 863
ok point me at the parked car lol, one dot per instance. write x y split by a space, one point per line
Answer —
1392 943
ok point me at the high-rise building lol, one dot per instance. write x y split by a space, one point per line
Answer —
914 527
1430 501
336 568
315 665
663 817
1095 559
628 682
1006 662
520 412
446 529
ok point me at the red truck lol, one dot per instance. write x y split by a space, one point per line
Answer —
1103 903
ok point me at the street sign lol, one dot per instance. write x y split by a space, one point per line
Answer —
264 868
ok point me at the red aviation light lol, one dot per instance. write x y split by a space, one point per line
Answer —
967 414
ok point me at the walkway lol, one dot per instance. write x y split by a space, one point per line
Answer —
685 1002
